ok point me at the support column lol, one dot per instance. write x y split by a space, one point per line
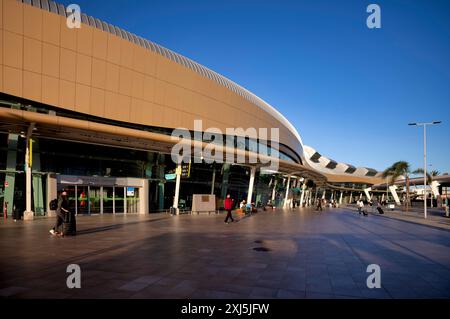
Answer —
274 190
101 200
160 196
160 175
302 197
250 184
225 180
351 197
340 198
288 184
114 200
143 198
393 190
435 188
51 192
366 191
10 176
125 209
28 214
177 188
213 180
76 199
38 193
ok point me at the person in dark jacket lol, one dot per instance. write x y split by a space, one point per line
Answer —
63 208
228 205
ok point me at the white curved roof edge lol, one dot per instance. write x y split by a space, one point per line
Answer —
323 161
200 69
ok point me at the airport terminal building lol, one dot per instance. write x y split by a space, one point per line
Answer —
91 110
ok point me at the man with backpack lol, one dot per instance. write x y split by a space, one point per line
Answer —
62 209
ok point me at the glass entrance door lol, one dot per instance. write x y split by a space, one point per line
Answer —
82 200
132 199
94 200
119 199
108 200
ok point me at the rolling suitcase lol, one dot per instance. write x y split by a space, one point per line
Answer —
380 210
70 224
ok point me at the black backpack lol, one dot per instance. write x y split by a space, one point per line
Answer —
53 204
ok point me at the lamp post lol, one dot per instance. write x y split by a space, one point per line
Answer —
425 160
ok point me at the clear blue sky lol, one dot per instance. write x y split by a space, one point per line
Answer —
349 91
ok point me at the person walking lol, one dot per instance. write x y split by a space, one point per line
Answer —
361 208
228 205
319 205
61 211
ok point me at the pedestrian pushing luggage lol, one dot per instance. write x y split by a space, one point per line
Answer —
70 224
380 210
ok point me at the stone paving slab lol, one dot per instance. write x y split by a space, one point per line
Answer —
309 255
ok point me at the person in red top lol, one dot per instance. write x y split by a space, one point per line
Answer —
228 205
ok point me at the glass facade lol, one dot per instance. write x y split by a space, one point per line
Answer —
65 158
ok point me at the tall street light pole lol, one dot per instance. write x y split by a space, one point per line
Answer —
425 160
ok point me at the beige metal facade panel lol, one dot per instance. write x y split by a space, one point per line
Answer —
50 90
99 44
82 98
12 49
12 81
1 14
97 107
50 60
126 54
32 22
13 16
85 67
67 65
137 85
113 51
112 77
84 41
51 29
98 73
125 81
32 86
32 55
68 37
67 94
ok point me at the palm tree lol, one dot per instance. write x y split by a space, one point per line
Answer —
435 173
429 177
419 171
397 170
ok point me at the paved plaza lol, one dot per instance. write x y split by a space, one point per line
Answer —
302 254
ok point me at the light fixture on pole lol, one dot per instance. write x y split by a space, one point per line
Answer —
425 160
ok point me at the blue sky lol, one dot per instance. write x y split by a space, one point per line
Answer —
350 91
